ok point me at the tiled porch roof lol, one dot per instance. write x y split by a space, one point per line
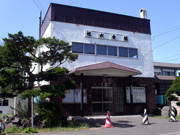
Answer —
107 65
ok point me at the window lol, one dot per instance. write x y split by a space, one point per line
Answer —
106 50
157 71
112 51
139 95
4 102
164 87
101 50
133 53
77 48
168 72
123 52
89 49
1 102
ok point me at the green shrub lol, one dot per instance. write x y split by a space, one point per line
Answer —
50 112
76 124
157 111
30 130
22 111
13 130
178 103
172 98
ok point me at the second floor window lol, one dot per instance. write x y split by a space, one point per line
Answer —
101 50
89 49
133 53
104 50
77 48
123 52
112 51
168 72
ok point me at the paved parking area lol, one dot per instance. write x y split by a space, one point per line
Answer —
125 125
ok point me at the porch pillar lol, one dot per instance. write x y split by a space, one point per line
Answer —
131 94
82 95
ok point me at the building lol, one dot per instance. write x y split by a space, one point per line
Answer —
11 105
164 75
115 64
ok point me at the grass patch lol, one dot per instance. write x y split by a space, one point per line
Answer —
13 130
71 126
1 115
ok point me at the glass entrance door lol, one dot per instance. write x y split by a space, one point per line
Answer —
102 100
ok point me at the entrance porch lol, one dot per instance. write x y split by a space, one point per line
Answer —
111 87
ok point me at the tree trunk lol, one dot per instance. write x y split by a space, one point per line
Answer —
31 86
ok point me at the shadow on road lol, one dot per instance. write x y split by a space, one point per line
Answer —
100 122
123 124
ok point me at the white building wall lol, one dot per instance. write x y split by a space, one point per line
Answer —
41 48
75 33
7 109
13 103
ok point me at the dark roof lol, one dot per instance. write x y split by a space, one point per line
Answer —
76 15
105 65
160 77
166 65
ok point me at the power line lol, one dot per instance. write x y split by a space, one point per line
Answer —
168 57
166 32
40 5
37 5
44 14
166 43
166 29
171 60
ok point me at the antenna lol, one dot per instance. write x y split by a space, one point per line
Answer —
40 23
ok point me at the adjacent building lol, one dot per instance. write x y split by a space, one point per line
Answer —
164 75
114 71
11 105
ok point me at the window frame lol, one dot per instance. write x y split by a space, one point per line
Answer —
135 101
108 50
126 52
132 56
101 46
4 102
84 47
73 43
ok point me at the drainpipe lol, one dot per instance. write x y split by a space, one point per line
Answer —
32 111
15 99
82 95
131 94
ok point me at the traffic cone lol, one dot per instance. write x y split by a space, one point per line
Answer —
173 115
108 123
145 118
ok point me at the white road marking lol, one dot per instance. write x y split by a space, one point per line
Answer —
172 133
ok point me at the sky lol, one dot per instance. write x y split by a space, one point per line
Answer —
164 16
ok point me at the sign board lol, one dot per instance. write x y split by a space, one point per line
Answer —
74 96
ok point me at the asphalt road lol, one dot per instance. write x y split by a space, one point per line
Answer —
129 125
